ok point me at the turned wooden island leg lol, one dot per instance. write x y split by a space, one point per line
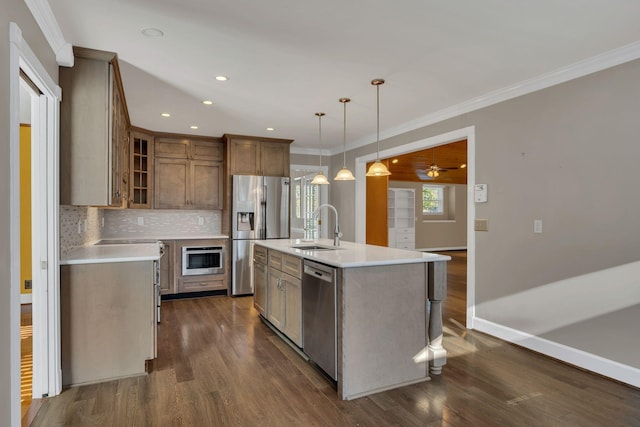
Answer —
436 293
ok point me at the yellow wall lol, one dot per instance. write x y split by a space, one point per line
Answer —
25 206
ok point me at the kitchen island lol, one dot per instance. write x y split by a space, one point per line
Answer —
388 309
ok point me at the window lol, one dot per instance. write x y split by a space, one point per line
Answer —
432 199
305 200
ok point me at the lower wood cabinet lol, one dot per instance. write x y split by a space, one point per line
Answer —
211 282
260 282
277 283
107 320
171 279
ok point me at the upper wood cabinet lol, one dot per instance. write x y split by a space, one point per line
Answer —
248 155
188 174
141 166
94 122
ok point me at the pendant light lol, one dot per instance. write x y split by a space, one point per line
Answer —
378 168
344 174
320 178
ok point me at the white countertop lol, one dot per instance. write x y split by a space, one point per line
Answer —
350 254
96 254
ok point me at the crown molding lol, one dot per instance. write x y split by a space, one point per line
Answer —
42 13
312 151
573 71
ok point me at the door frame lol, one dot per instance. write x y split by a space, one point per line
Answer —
468 133
45 179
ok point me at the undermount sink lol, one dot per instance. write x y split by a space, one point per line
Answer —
314 248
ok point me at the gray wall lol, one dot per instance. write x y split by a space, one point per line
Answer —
444 232
567 155
12 11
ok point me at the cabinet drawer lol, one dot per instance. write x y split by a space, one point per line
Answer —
202 283
406 245
405 230
275 259
292 265
259 254
405 237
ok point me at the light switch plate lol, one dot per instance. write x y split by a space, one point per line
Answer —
481 225
537 226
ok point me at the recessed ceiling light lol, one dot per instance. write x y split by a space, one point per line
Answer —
462 166
194 127
269 129
152 32
207 102
394 161
222 78
165 115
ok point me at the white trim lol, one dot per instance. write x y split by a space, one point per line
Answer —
564 74
42 13
25 299
591 362
427 221
468 133
311 151
448 248
44 295
14 224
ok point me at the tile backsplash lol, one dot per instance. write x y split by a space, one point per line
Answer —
82 225
159 223
78 226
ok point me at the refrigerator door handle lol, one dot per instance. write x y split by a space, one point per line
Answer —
263 212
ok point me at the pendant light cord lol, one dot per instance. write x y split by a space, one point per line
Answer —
344 137
320 136
378 121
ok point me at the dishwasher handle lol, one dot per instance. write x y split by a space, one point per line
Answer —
319 274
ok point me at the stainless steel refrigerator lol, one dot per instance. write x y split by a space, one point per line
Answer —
260 210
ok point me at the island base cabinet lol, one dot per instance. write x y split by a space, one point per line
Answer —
381 328
107 320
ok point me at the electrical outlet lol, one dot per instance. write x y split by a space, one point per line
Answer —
27 284
102 220
84 225
481 225
79 226
140 220
200 220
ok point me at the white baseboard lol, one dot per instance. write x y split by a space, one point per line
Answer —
25 298
591 362
450 248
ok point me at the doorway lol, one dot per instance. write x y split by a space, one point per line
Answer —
467 133
26 72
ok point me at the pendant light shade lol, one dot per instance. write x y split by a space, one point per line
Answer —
320 178
344 174
378 168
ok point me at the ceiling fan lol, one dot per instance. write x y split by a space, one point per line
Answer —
433 170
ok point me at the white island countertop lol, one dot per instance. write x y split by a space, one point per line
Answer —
95 254
350 254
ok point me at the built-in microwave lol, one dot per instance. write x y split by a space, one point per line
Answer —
197 260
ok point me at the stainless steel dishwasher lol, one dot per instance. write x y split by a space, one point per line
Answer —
319 316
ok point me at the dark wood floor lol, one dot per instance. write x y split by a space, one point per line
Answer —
219 365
